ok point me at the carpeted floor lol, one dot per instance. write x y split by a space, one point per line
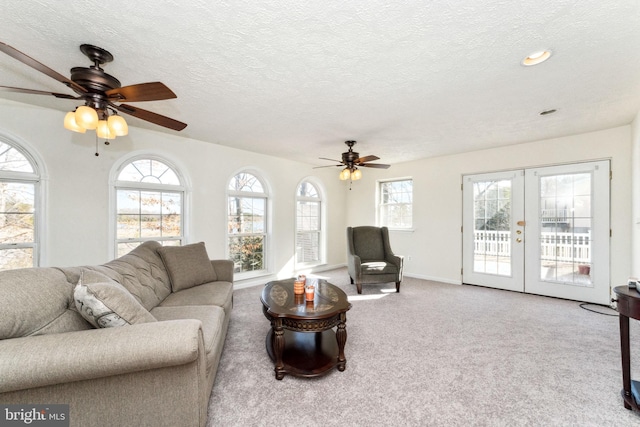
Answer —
435 355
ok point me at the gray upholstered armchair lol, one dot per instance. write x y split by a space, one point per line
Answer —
370 258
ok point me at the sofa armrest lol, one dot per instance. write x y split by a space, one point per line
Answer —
44 360
224 269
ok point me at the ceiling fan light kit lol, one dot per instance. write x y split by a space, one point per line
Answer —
103 131
345 174
71 124
351 160
86 117
100 92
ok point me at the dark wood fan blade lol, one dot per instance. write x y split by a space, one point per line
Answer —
328 166
153 91
367 159
331 160
37 92
15 53
375 165
155 118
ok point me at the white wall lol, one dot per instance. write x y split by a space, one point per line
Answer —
435 245
76 224
76 229
635 198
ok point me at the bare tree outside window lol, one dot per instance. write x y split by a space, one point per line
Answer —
308 224
149 205
246 223
395 207
19 184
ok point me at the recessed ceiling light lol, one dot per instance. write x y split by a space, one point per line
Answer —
536 57
545 112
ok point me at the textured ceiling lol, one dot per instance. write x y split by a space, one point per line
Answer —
406 79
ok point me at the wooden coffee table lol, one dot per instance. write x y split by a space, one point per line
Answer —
301 340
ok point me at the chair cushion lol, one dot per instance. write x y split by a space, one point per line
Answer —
188 265
368 244
378 267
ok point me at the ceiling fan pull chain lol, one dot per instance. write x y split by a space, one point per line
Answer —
97 154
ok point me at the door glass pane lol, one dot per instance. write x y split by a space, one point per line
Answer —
565 229
492 220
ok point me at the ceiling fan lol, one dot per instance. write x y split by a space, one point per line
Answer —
351 160
101 93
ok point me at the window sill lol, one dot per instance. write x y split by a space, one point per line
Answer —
402 230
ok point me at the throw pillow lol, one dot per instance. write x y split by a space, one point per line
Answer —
187 266
106 305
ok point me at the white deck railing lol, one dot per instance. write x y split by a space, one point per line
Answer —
559 247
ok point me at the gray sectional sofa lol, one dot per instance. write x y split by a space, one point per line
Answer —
133 342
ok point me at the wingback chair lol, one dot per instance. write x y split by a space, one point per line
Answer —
370 258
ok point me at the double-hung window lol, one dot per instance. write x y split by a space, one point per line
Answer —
395 203
19 208
308 225
247 202
149 204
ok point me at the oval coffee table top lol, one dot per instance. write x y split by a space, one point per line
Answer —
280 301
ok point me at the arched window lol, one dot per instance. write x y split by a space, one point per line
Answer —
247 223
308 224
149 204
19 207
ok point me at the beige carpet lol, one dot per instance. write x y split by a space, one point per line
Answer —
435 355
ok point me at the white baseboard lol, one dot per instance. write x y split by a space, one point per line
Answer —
262 280
433 278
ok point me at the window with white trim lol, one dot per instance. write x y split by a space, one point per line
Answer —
247 223
19 207
395 204
149 204
308 224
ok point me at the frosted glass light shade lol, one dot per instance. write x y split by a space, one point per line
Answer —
70 123
344 175
356 175
117 125
86 117
102 130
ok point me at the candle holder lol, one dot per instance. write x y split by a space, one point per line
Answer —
298 287
309 291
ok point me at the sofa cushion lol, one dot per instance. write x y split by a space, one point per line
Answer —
188 265
142 272
47 297
216 293
109 304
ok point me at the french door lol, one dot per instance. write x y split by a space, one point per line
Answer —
542 230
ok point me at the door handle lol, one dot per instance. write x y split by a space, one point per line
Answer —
521 223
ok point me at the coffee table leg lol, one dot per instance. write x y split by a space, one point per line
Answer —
341 336
278 346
